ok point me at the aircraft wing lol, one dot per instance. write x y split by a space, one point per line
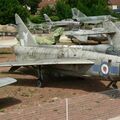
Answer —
92 21
89 32
6 81
47 62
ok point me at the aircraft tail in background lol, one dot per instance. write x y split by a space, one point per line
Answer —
47 18
115 37
77 13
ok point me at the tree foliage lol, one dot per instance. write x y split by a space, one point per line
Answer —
33 4
63 10
93 7
8 8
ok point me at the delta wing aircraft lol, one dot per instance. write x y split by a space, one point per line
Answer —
97 34
7 81
81 17
111 30
63 23
63 59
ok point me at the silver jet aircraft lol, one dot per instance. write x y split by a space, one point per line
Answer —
97 34
111 30
81 17
63 23
63 59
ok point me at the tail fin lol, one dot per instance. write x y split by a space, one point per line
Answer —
113 38
47 18
24 35
29 24
77 13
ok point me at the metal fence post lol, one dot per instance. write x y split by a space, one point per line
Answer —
67 109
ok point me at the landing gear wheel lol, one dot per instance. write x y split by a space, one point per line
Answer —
40 83
114 85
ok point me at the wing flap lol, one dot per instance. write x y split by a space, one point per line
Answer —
47 62
6 81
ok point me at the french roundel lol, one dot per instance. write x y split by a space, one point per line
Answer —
104 69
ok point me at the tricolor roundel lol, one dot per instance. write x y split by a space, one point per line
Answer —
104 69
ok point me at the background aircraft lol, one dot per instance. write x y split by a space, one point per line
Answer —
8 30
111 30
81 17
97 34
44 27
63 59
63 23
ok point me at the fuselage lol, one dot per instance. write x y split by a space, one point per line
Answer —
64 23
104 65
94 19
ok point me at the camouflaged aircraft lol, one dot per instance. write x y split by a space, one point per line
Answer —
81 17
69 23
44 27
62 59
7 81
8 30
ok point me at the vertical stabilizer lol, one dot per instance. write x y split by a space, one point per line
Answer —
77 13
24 35
115 37
47 18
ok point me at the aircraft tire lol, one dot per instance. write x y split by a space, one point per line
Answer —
40 84
114 86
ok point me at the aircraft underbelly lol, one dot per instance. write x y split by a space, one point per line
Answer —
83 70
72 70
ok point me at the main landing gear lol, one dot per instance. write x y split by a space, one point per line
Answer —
40 80
112 83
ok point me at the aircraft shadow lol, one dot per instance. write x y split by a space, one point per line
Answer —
26 82
113 93
66 83
86 84
8 101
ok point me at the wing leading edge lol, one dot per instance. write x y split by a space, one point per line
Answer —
47 62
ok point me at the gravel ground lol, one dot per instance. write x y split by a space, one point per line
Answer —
25 96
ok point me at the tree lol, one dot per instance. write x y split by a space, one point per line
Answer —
72 3
8 8
93 7
33 4
63 10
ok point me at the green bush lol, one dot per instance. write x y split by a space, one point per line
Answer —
36 19
55 18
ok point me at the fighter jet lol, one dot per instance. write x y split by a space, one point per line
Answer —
81 17
8 30
82 35
63 23
44 27
63 59
7 81
110 29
